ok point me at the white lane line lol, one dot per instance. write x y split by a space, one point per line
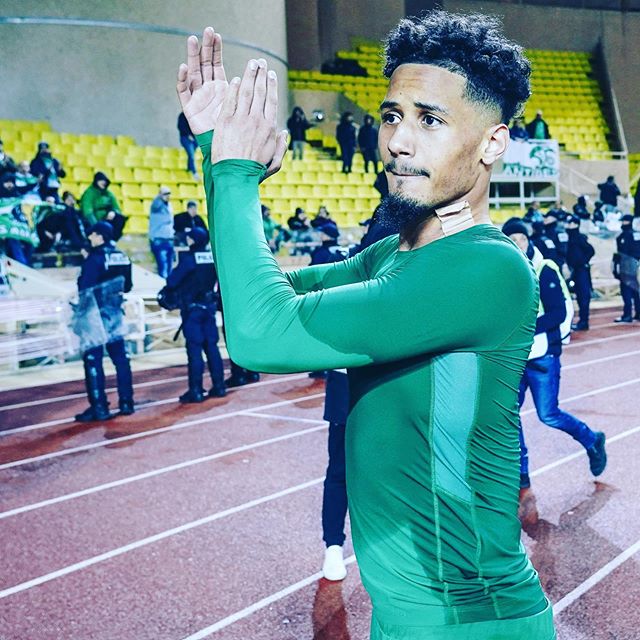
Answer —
261 604
73 396
255 414
29 584
322 426
582 452
584 343
593 580
577 365
595 392
146 405
153 432
196 523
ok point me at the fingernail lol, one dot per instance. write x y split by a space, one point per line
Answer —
272 74
262 63
253 65
235 80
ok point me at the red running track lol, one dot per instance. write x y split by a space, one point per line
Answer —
182 523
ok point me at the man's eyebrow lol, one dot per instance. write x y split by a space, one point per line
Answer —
423 106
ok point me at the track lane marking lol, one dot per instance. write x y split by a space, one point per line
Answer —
152 432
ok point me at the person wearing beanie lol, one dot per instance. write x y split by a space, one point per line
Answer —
193 281
625 268
542 372
99 203
541 241
48 170
161 232
105 275
579 254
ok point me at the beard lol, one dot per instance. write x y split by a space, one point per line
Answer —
397 212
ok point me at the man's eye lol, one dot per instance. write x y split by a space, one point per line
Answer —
390 118
430 121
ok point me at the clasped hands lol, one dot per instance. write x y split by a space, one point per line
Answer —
243 112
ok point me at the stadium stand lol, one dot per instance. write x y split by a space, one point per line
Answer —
563 83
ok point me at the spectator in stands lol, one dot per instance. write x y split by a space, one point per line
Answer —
368 143
74 227
161 232
273 232
188 142
538 128
328 250
579 254
48 222
534 214
323 216
581 209
48 170
187 220
625 269
104 264
609 192
298 125
98 203
14 246
518 131
299 221
8 187
7 165
26 183
346 135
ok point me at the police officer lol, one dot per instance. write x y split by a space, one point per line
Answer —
579 253
106 264
194 280
625 269
544 242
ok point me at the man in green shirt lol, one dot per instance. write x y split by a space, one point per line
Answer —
434 324
99 203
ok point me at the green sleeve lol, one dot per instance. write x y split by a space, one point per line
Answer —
204 140
87 203
392 317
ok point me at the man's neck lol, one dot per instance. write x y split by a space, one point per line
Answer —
429 230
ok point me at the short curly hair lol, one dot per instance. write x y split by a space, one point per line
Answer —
472 45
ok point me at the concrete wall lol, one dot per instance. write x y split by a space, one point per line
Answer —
112 81
318 28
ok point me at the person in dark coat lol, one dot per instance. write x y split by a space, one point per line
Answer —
579 254
626 269
368 143
581 209
298 125
193 281
7 164
186 220
559 237
188 143
543 243
336 411
346 135
538 128
609 192
48 170
105 263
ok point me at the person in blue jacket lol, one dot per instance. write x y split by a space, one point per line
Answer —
542 372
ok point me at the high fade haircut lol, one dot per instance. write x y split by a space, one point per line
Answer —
471 45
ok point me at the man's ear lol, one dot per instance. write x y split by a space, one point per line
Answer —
495 144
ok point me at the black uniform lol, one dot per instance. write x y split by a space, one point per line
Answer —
625 269
194 281
182 222
579 253
106 264
545 243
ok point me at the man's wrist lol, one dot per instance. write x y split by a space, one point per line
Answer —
204 139
239 167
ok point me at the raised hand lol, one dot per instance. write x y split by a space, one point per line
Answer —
202 83
247 125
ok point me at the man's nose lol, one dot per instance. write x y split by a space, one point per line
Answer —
402 141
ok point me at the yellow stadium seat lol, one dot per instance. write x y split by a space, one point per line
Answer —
149 191
142 175
131 190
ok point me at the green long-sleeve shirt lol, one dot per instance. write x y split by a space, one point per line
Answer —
96 204
435 340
